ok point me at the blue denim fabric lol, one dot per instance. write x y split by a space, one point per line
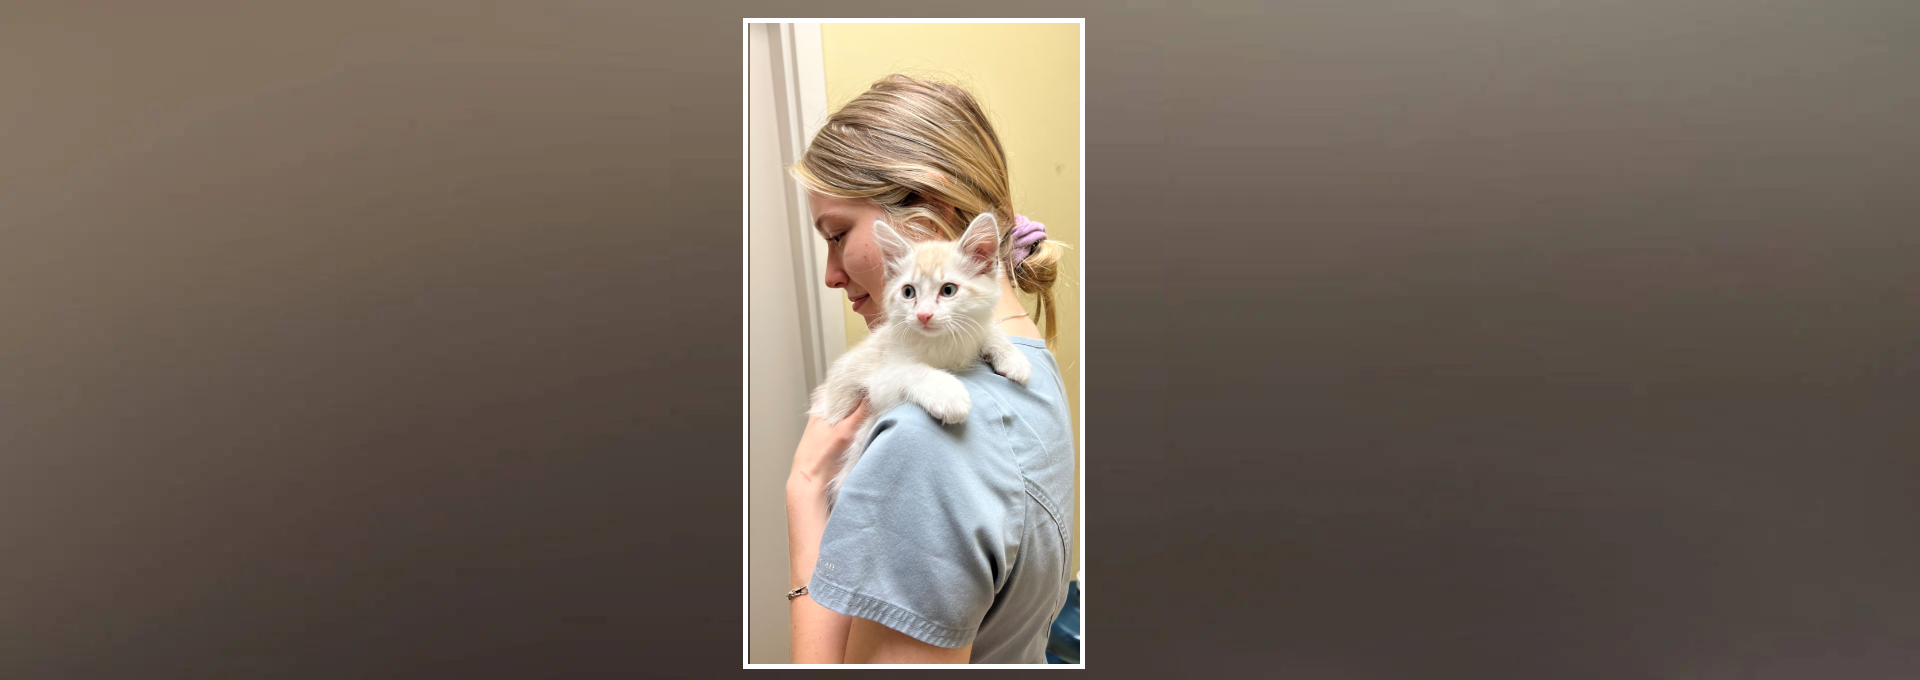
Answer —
1063 644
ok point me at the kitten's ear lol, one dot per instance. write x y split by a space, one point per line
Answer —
894 248
981 242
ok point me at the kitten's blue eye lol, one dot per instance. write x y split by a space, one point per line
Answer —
948 290
907 292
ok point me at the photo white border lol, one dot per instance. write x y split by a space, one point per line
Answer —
1080 512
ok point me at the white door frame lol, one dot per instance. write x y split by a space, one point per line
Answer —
800 101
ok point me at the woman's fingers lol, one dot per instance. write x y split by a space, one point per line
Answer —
818 456
850 425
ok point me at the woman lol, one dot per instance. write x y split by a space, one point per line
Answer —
948 544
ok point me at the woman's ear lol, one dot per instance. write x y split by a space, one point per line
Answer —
894 248
981 242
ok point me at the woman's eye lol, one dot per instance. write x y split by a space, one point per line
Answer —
948 290
907 292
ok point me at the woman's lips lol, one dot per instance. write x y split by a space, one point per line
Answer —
860 302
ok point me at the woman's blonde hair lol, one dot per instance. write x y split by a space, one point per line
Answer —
926 154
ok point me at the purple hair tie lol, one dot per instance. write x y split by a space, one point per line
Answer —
1025 234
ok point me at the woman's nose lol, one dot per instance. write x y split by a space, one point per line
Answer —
836 277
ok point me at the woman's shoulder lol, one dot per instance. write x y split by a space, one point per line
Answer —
1011 432
1040 403
906 441
996 403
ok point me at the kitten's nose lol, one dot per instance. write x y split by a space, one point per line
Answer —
924 316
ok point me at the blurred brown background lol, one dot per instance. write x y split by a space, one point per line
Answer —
334 337
1492 340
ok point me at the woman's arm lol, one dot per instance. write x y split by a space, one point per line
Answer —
819 635
870 642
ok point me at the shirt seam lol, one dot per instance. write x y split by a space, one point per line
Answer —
1034 492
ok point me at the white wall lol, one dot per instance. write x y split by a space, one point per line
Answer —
777 397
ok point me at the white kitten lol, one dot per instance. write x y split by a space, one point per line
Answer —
938 301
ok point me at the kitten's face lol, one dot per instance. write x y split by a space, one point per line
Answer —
942 288
941 292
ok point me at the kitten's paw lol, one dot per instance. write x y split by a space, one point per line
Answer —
1014 366
945 398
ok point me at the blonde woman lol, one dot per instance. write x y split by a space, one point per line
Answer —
948 544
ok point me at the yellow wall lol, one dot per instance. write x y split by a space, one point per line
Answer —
1027 77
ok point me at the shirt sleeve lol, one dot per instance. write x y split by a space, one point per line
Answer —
918 538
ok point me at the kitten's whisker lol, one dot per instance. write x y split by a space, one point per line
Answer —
973 329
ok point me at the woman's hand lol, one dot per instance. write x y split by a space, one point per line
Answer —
817 459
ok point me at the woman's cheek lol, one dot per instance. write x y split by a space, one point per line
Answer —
867 268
